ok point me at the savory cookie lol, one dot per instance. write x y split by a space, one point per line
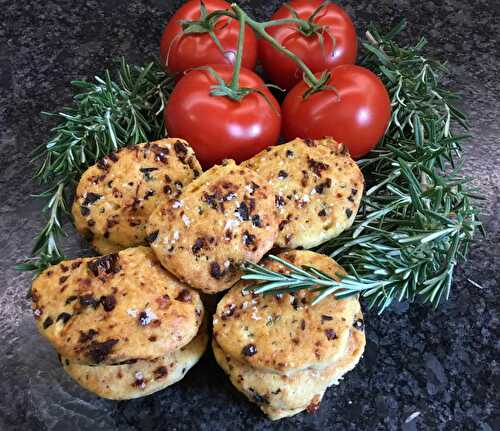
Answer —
280 395
221 219
138 378
115 308
284 332
319 189
116 196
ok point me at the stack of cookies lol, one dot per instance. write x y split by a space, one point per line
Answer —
130 323
122 325
280 351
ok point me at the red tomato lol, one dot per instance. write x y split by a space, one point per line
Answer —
356 114
218 127
336 23
180 52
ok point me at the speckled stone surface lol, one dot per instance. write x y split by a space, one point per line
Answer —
442 364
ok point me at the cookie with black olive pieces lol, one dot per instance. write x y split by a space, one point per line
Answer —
116 196
282 395
221 219
319 189
285 333
115 308
138 378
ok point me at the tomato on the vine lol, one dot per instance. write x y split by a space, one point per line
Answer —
328 41
356 112
183 49
218 127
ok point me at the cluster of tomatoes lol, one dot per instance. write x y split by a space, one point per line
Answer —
353 105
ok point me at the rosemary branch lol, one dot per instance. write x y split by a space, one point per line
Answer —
107 114
306 277
417 219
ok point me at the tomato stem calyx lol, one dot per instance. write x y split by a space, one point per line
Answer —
222 88
320 84
206 24
307 26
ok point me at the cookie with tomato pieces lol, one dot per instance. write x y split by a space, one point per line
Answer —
116 196
115 308
318 187
284 395
141 377
225 217
285 333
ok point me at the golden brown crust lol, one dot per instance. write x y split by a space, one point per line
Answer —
284 332
115 308
140 378
221 219
319 188
116 196
281 395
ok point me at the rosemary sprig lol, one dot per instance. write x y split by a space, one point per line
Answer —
107 114
306 277
417 219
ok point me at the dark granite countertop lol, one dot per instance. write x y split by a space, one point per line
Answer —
443 364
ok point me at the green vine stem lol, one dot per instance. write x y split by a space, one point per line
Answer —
239 52
260 29
233 90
